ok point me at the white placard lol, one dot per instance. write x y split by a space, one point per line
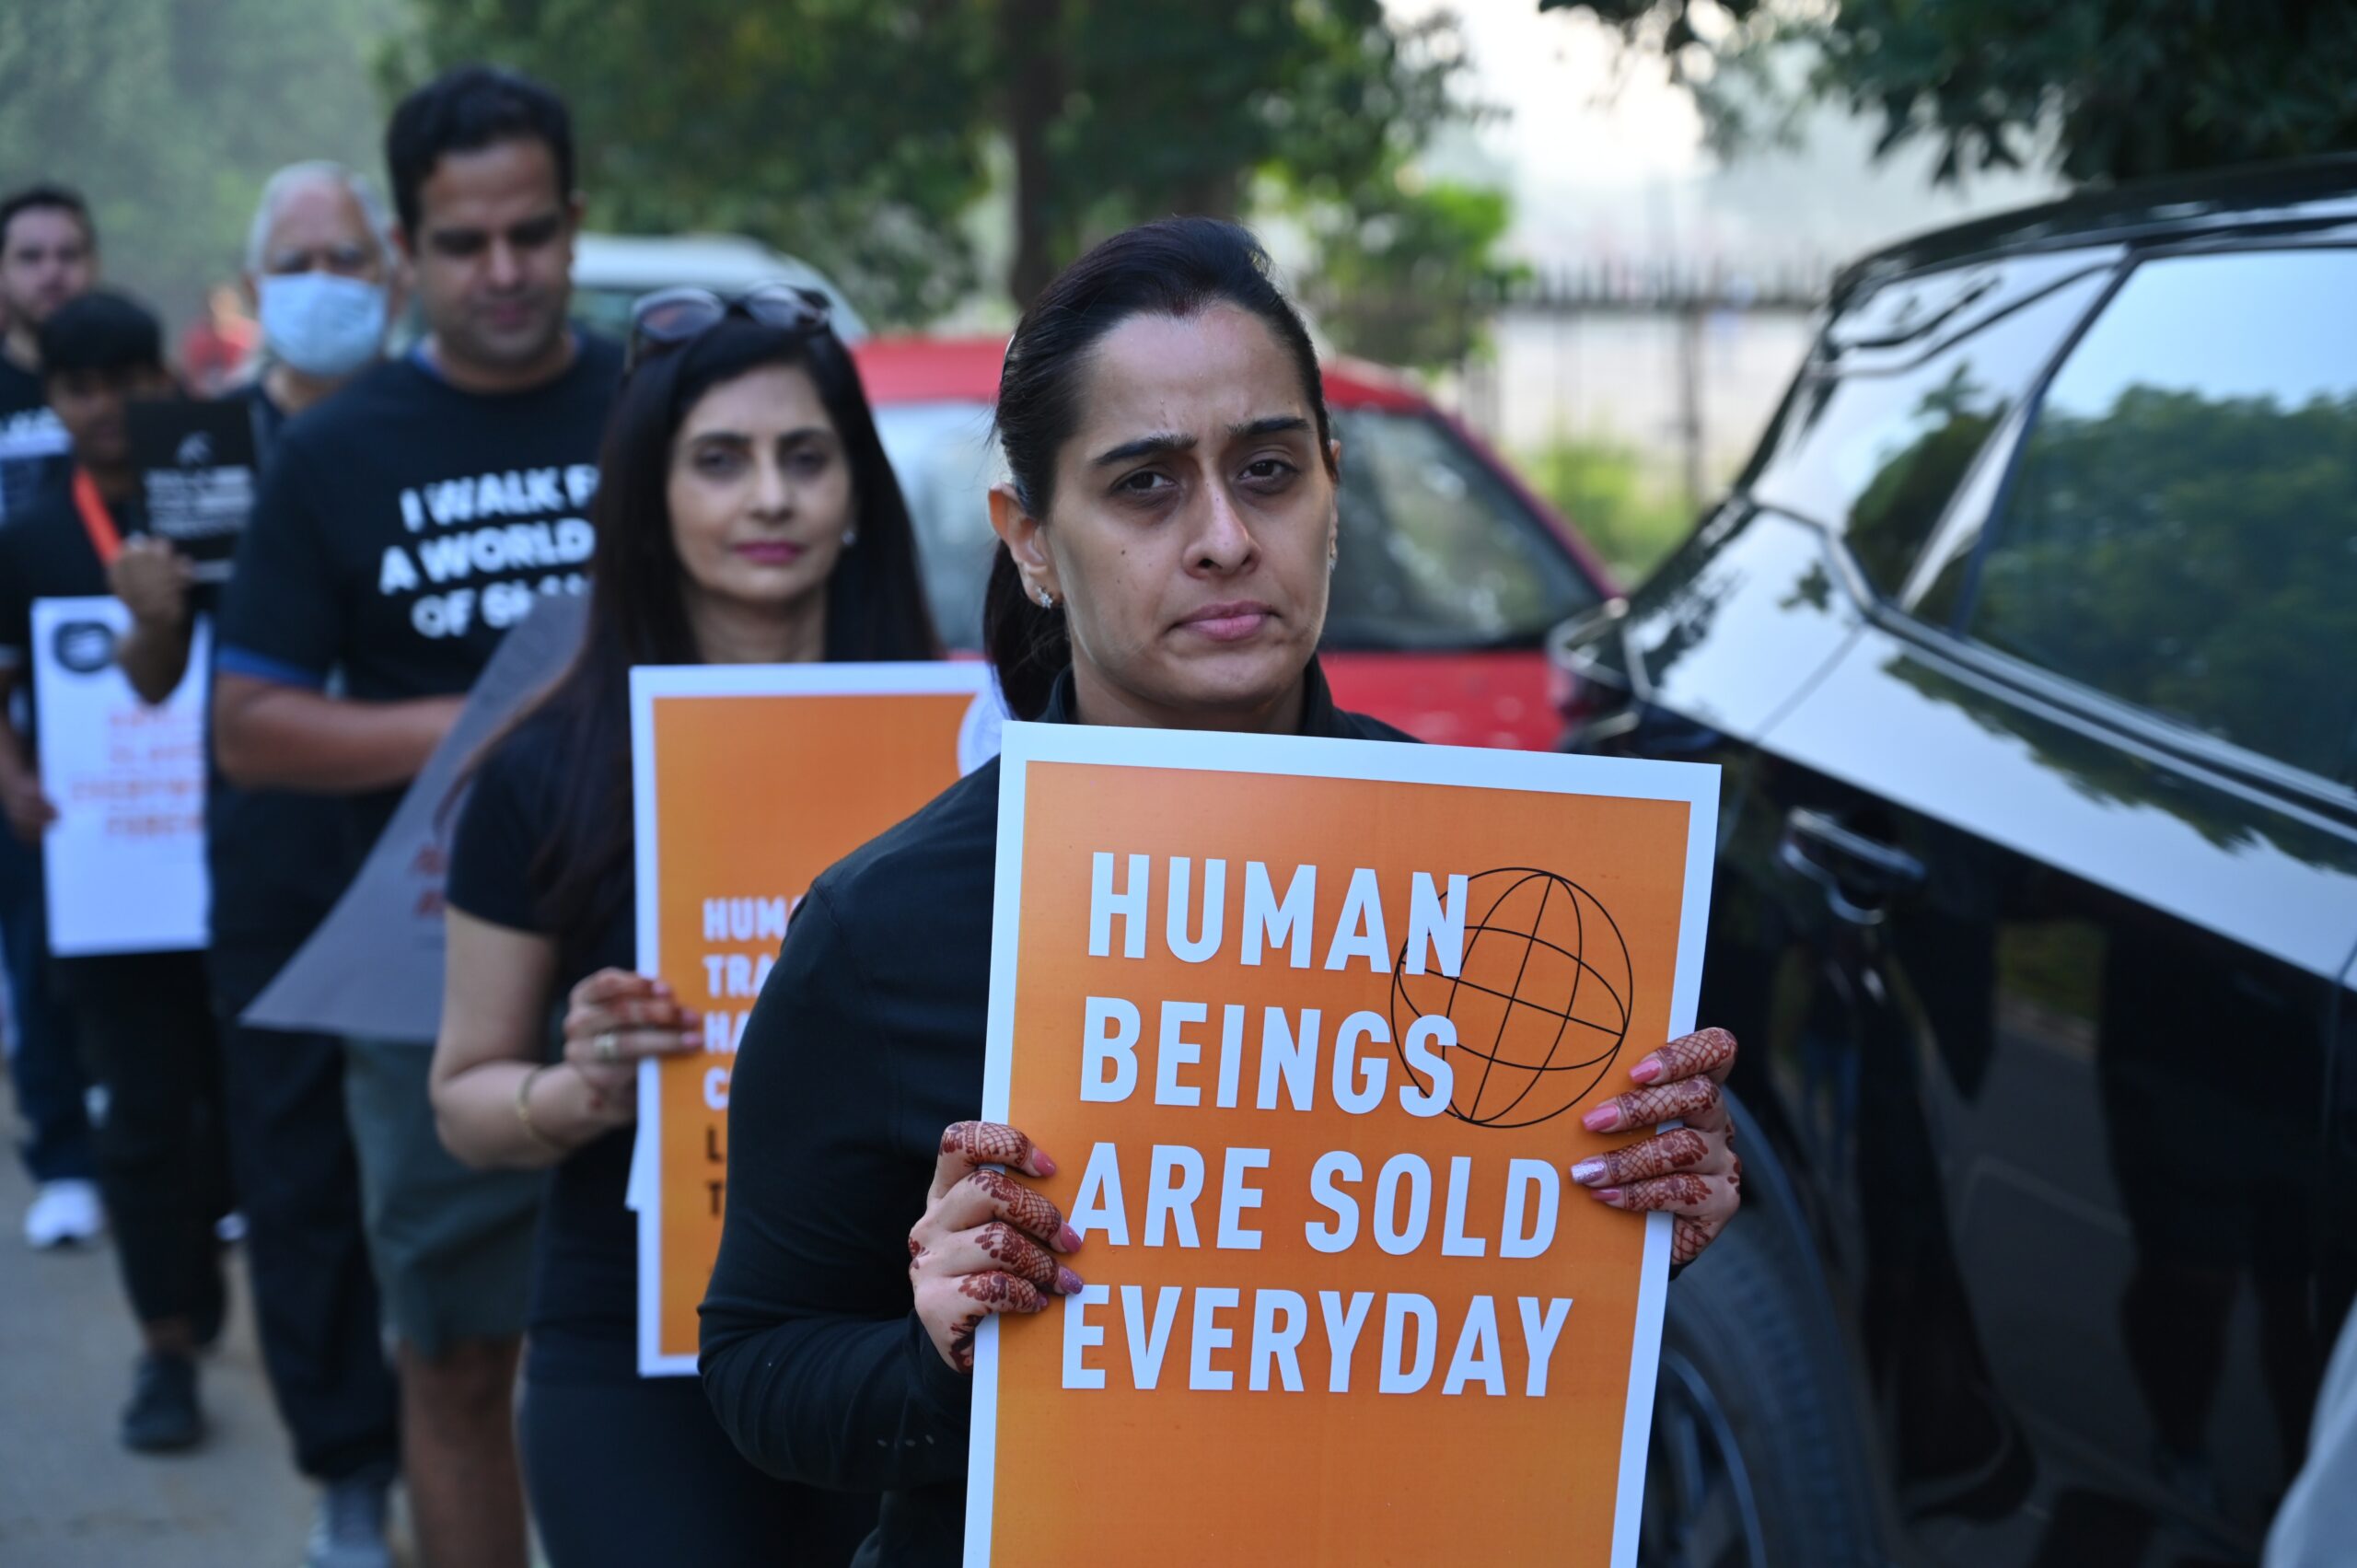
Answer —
126 859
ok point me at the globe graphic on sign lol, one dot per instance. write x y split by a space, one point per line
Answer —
1540 1002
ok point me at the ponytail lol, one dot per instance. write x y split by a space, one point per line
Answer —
1027 642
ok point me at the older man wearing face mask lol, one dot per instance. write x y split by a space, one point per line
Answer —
318 269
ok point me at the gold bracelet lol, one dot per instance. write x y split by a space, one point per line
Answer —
524 1109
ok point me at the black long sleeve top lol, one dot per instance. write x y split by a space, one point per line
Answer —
867 1040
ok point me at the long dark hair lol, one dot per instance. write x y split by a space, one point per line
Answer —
1172 267
875 606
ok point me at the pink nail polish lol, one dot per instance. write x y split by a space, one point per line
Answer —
1040 1162
1645 1072
1588 1172
1068 1239
1068 1283
1606 1194
1603 1118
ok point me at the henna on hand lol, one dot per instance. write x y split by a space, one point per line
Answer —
1692 1171
991 1292
985 1142
1019 1254
1689 1238
985 1241
1672 1151
1022 1207
1710 1051
1644 1108
1681 1192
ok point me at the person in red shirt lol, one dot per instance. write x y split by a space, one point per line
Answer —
218 343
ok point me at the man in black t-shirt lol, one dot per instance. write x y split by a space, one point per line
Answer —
143 1020
402 529
48 255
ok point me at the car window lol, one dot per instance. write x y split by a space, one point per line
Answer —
1876 453
1436 550
605 310
2181 528
943 457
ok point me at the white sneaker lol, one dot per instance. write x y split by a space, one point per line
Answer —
63 1212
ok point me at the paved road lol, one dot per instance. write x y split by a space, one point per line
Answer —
71 1496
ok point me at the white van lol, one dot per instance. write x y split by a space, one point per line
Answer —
612 271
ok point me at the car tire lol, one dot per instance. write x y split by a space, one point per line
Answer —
1754 1460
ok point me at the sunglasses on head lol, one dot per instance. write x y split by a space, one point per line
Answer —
669 317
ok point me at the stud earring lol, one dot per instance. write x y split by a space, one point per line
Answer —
1047 599
851 536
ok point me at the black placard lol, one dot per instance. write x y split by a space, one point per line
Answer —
196 468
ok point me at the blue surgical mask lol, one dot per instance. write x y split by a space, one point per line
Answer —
321 324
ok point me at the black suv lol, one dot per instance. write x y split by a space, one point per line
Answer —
2029 645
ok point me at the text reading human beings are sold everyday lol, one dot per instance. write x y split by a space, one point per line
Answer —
1508 1211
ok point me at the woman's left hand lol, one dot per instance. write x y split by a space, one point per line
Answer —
1691 1172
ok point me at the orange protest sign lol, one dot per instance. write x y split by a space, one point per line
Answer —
1307 1024
748 782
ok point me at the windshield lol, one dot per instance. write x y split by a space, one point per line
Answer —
1436 552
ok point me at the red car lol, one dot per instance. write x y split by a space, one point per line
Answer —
1450 576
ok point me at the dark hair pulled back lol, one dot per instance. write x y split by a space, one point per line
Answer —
1170 267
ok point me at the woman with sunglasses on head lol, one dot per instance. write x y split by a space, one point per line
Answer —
1169 524
746 515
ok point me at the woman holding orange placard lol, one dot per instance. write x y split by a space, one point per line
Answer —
746 515
1169 524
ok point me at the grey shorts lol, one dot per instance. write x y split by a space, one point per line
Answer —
452 1247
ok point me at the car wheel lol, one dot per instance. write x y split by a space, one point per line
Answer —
1752 1462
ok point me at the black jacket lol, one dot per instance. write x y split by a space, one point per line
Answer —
867 1042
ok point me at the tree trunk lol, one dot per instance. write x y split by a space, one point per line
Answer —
1031 44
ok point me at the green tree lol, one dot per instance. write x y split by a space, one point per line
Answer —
1406 272
168 114
843 131
861 133
2117 89
2194 556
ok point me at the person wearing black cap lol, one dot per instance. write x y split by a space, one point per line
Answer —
143 1020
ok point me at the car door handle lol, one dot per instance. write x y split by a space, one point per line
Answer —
1858 875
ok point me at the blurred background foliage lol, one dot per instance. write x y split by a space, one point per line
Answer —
862 134
933 156
168 114
948 155
1623 506
2099 90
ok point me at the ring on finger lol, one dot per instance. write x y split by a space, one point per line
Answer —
602 1047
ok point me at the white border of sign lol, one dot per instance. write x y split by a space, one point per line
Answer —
1695 785
649 685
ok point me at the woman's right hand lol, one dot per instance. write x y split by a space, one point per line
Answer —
987 1243
613 1019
